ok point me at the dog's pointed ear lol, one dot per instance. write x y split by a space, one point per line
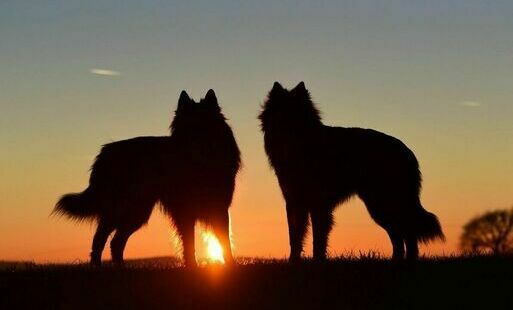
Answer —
301 90
184 101
301 87
211 99
211 96
277 89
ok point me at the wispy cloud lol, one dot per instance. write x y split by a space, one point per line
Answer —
104 72
470 104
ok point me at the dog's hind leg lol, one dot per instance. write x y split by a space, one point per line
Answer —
100 238
412 249
297 218
221 226
118 243
397 245
381 213
322 222
185 228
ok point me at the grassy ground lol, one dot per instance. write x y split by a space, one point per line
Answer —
348 283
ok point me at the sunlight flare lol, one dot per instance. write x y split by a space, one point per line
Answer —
214 248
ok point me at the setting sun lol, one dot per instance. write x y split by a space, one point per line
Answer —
214 248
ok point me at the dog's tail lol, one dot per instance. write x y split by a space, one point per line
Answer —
427 227
76 206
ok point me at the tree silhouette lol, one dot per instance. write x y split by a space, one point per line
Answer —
491 232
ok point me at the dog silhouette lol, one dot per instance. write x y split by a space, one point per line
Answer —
191 173
319 167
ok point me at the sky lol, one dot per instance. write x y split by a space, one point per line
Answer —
78 74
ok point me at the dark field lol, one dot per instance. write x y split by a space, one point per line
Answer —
367 282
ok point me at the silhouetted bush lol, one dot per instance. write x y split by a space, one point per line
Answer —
491 232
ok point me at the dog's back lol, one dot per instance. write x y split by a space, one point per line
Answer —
135 165
367 158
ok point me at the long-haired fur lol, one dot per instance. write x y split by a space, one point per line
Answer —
319 167
191 173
